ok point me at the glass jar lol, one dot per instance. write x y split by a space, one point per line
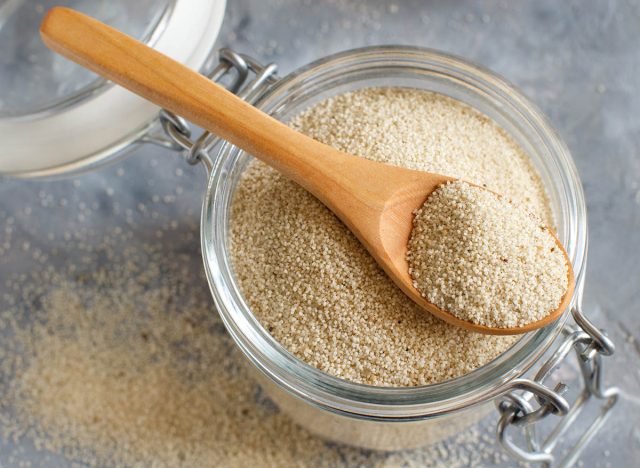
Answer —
394 418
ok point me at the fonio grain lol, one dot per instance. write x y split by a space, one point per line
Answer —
483 259
316 289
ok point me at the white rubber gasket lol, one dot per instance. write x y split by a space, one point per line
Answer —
89 131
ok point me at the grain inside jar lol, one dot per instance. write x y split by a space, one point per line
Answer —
315 288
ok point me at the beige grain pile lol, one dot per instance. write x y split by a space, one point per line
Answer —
315 288
123 366
483 259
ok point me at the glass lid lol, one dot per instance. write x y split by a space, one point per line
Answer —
34 79
57 117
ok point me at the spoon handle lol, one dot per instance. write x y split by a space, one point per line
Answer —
173 86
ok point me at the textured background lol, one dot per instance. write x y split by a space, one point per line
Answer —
577 60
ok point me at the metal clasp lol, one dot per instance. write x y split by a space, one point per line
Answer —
516 406
240 74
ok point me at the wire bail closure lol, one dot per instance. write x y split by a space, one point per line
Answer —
235 70
590 345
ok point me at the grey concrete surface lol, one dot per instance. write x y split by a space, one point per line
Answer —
579 61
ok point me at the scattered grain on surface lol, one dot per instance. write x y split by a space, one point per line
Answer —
107 368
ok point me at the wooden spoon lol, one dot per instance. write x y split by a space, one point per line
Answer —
376 201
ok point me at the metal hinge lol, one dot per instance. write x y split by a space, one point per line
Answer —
529 401
240 74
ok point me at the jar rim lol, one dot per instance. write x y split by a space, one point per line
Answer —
360 400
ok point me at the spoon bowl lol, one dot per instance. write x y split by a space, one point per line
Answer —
375 201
